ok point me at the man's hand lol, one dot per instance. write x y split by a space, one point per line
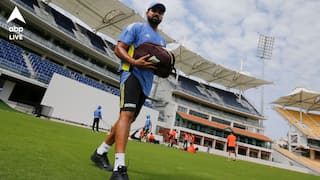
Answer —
121 50
143 63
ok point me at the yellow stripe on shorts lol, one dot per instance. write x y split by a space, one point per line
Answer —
122 95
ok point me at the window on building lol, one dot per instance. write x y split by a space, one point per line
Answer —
242 150
265 155
260 143
197 140
219 133
180 122
198 114
250 129
240 126
243 139
203 128
211 131
221 121
208 142
193 126
182 109
219 145
253 153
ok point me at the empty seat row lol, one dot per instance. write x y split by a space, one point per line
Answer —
44 69
215 95
11 58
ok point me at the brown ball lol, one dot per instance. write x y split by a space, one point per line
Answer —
163 58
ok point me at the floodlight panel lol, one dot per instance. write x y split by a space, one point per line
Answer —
265 47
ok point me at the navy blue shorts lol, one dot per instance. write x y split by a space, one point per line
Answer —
132 97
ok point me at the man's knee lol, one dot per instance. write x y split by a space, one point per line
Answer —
127 116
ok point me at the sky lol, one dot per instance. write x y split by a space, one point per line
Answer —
227 32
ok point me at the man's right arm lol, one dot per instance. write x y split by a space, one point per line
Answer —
121 50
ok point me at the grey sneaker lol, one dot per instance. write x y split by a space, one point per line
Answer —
121 174
101 161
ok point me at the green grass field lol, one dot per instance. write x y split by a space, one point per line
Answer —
38 149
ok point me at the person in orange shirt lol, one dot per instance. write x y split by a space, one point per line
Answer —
191 139
172 137
192 149
185 141
142 135
151 138
231 145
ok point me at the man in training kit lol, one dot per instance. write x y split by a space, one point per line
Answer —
96 118
135 85
147 125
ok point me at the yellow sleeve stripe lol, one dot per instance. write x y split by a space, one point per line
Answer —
126 65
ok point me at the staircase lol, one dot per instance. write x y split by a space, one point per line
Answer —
313 165
29 66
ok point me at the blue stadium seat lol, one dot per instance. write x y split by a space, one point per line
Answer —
216 95
44 69
11 58
190 86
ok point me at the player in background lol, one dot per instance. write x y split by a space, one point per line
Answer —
231 145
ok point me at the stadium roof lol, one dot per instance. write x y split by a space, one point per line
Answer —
301 98
110 17
193 64
222 126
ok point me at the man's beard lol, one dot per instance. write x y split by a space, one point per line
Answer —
154 20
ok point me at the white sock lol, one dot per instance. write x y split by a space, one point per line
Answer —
119 161
103 148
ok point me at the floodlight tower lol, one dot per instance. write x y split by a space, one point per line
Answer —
264 51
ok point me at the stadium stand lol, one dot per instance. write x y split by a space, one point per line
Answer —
304 132
206 112
306 124
311 164
44 69
216 95
12 59
294 118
